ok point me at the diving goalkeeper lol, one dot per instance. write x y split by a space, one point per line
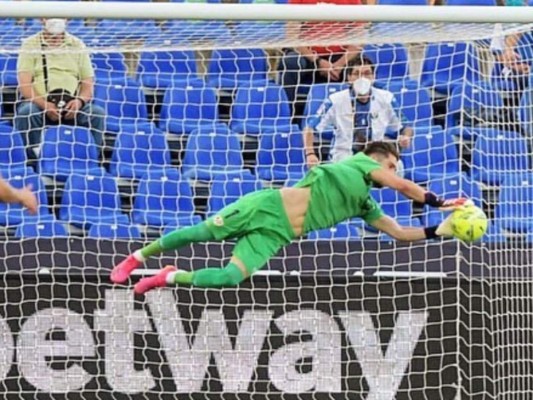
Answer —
267 220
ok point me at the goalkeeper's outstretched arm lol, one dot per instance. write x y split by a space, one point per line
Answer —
411 234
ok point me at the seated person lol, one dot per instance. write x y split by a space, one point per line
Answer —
56 82
359 115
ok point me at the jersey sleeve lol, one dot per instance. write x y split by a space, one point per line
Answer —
372 212
364 163
323 117
396 118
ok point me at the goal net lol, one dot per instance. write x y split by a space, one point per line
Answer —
179 117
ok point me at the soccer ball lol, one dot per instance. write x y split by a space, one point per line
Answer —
469 223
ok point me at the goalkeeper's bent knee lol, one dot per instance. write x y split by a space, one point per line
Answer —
231 275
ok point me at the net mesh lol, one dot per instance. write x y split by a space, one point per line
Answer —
187 117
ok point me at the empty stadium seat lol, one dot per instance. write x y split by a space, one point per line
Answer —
188 106
342 231
447 65
525 112
473 103
229 69
471 133
109 66
210 152
413 101
471 3
228 190
124 104
260 109
127 29
432 155
493 157
11 36
162 198
12 150
8 69
393 203
391 62
450 187
138 149
157 69
67 149
107 230
318 93
91 198
261 30
14 214
41 229
514 209
189 31
281 155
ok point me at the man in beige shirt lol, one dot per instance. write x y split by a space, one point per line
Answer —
68 68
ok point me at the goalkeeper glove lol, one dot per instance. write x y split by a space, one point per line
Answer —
431 199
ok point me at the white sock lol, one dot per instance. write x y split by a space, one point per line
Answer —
138 256
171 277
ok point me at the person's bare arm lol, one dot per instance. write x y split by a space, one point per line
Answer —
25 196
309 146
27 89
404 233
85 96
350 53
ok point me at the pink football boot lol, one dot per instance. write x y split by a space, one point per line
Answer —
122 271
156 281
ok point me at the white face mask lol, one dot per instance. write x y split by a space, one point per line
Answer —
55 26
362 86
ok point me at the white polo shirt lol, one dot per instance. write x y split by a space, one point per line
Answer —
338 111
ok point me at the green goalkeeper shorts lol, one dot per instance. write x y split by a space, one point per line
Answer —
259 222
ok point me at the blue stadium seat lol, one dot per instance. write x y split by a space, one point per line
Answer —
66 150
210 152
8 69
260 109
391 62
525 111
261 30
450 187
229 69
124 104
432 155
41 229
392 202
162 198
471 3
109 66
471 133
11 36
189 31
138 149
91 198
447 65
281 155
402 2
228 190
494 157
342 231
413 101
514 209
316 96
12 150
107 230
188 106
157 69
473 103
127 29
14 214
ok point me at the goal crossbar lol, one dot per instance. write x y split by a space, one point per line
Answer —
265 12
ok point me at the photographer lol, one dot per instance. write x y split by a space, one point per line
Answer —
56 81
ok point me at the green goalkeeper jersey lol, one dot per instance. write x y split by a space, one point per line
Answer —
340 191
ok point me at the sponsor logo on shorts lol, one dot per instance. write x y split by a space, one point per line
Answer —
218 220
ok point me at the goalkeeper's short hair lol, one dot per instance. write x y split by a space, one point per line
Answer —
383 148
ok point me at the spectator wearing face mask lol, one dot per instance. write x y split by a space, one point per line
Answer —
55 83
358 115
